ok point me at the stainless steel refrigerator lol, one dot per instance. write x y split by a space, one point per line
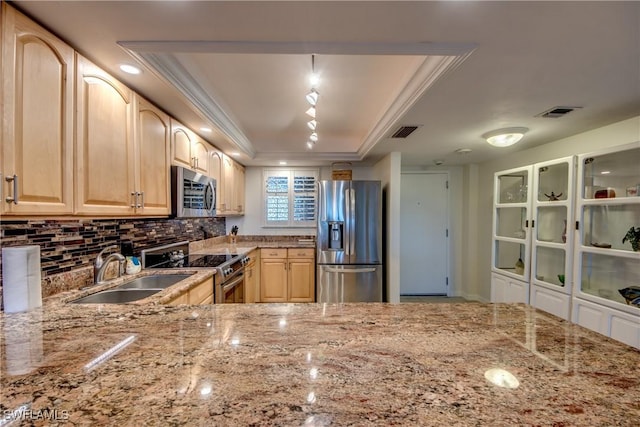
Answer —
349 241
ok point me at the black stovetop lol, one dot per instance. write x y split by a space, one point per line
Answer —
211 261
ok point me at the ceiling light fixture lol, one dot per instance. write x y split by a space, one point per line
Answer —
130 69
505 137
312 98
311 112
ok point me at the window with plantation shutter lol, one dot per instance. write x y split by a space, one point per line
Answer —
290 197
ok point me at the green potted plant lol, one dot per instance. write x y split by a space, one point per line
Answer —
633 235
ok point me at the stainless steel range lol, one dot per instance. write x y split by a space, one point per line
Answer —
228 282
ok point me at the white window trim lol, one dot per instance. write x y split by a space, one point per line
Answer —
291 173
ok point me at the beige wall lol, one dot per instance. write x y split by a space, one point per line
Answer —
480 200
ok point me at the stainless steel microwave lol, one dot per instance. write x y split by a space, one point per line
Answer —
192 194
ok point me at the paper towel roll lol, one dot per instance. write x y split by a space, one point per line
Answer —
21 278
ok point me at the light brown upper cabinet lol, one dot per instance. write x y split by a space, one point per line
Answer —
153 131
231 189
37 130
188 149
105 156
216 171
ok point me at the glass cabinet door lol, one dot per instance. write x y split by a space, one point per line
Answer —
512 199
552 224
607 260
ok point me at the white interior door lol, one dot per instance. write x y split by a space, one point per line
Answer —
424 249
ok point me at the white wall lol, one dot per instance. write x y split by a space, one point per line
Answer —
478 273
251 222
387 171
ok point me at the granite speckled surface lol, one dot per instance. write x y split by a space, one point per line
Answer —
312 365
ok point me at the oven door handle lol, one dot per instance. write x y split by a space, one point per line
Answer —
233 283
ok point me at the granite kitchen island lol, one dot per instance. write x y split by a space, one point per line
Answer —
312 365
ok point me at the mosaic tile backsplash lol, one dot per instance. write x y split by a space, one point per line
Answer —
67 245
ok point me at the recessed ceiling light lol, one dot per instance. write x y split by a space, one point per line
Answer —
282 162
605 172
205 129
130 69
234 154
463 151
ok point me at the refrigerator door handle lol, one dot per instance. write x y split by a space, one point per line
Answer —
350 270
352 220
347 223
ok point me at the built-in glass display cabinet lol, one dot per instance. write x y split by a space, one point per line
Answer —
552 236
607 252
511 248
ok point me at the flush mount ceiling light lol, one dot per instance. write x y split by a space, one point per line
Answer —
130 69
505 137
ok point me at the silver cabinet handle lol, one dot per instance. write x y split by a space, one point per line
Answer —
135 199
141 200
13 198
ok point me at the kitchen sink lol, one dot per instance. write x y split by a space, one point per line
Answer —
133 290
158 281
116 296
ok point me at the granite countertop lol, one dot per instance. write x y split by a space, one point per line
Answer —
312 364
196 276
243 247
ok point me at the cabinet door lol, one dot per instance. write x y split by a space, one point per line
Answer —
200 293
180 145
104 145
153 186
37 133
273 280
215 172
200 157
238 188
301 280
227 183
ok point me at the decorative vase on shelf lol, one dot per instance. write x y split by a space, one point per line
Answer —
564 231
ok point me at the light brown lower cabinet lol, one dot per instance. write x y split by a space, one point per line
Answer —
252 278
287 275
200 294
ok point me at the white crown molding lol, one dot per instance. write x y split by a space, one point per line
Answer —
307 47
433 68
158 56
168 67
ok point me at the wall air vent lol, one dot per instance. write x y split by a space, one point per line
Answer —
556 112
404 131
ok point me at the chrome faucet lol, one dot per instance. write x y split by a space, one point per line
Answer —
100 264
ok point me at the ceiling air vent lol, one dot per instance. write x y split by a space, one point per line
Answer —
404 131
556 112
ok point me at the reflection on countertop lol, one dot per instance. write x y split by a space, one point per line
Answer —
315 364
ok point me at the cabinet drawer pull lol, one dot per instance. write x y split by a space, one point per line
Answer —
141 200
13 198
134 198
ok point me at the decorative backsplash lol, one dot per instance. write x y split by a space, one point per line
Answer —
67 245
